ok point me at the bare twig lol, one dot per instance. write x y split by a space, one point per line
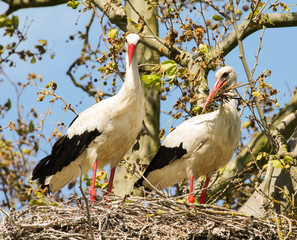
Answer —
258 52
105 40
156 140
87 203
209 3
250 79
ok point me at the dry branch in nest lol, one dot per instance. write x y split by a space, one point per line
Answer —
136 218
224 94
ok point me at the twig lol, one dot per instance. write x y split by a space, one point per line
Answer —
148 26
209 3
250 79
105 40
250 20
204 20
87 203
156 140
279 232
11 126
259 49
290 226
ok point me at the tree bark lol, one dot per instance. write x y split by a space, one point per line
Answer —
269 197
15 5
124 179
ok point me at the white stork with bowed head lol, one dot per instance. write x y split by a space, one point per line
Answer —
100 135
199 146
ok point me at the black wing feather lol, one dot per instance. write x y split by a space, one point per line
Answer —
64 151
164 157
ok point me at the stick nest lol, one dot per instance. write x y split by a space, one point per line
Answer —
135 218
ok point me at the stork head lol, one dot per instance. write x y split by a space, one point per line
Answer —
227 77
132 40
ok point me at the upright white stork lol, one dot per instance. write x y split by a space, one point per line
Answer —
100 135
199 146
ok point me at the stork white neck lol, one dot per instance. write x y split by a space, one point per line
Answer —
132 84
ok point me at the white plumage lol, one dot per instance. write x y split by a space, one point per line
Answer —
101 134
200 145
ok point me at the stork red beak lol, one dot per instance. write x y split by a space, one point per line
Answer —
215 88
131 50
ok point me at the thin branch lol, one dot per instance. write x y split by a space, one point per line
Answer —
276 20
217 9
250 20
250 79
87 203
146 23
77 84
156 140
258 52
106 42
11 126
16 5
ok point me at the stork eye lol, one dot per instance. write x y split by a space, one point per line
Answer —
126 40
225 74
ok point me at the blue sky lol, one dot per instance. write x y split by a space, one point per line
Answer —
55 24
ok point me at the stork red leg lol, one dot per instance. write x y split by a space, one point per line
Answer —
92 189
203 194
109 187
191 197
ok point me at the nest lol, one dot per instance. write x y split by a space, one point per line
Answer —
135 218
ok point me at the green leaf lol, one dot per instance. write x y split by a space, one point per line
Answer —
102 69
32 202
33 60
246 124
102 175
73 4
8 104
256 94
277 163
15 21
149 80
31 126
288 159
170 67
217 17
203 48
43 42
238 12
113 33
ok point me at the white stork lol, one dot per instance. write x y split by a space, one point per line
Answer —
100 135
199 146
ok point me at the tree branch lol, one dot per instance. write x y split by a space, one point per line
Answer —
15 5
276 20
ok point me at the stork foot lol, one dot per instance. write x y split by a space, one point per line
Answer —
93 193
202 198
191 198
